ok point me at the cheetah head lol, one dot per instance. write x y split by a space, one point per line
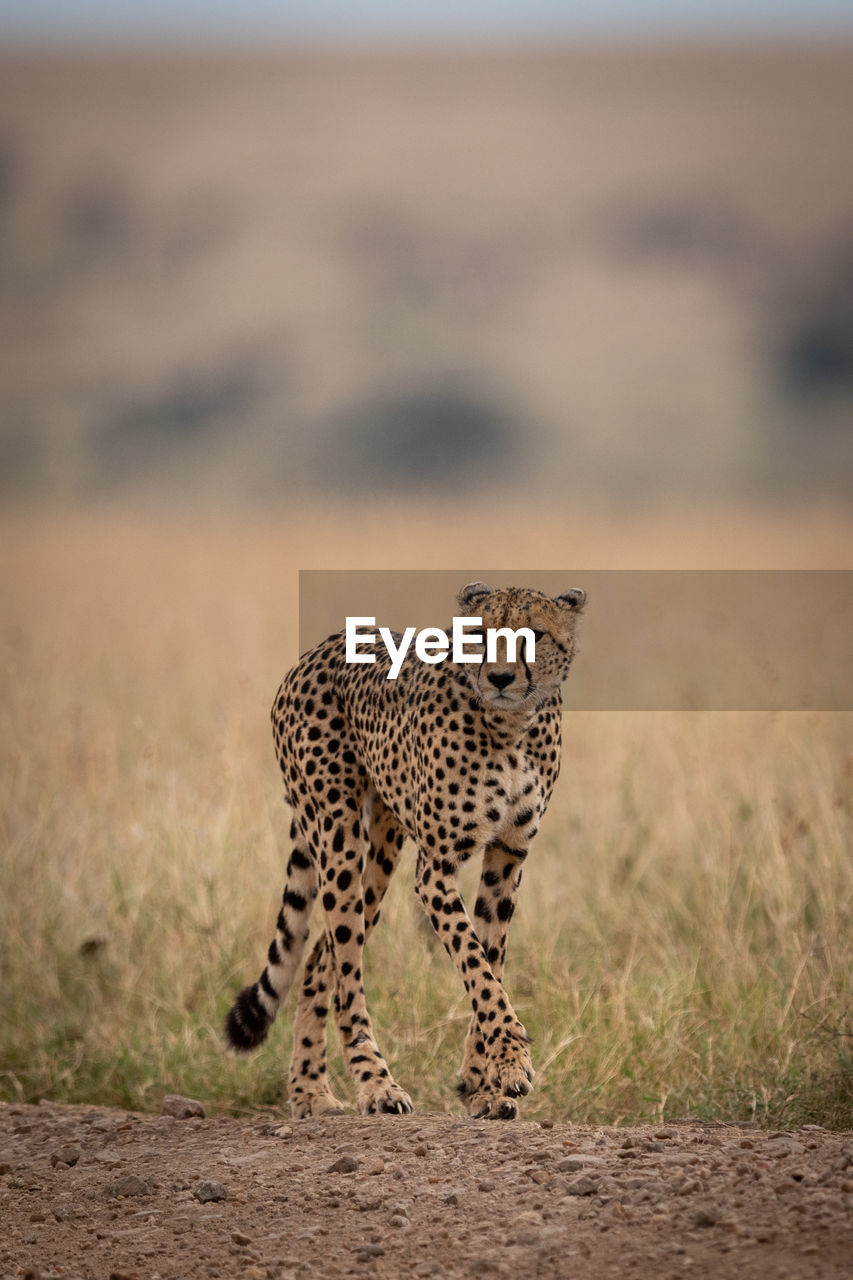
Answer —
522 684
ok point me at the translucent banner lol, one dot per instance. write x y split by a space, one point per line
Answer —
745 640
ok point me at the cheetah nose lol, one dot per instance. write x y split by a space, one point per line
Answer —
501 679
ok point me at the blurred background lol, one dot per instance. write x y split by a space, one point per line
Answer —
602 253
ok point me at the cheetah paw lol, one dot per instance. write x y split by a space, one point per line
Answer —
515 1083
482 1105
318 1104
390 1100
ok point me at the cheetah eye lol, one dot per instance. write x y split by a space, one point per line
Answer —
537 635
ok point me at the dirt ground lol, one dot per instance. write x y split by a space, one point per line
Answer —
91 1192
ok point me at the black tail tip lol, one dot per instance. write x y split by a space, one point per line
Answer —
248 1022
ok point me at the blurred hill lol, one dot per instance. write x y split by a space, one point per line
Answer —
622 272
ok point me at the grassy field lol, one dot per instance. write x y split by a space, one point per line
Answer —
682 944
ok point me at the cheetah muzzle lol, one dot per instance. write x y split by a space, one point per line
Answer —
460 758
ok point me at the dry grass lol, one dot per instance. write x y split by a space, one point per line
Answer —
683 938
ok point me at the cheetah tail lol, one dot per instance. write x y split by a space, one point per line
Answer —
251 1016
255 1008
253 1012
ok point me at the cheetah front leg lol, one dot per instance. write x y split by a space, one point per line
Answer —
500 880
501 1065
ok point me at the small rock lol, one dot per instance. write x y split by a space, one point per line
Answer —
181 1108
583 1185
283 1131
401 1221
239 1238
110 1157
706 1217
783 1145
649 1191
420 1149
665 1135
130 1184
209 1192
374 1167
571 1164
546 1124
486 1185
365 1252
65 1155
346 1164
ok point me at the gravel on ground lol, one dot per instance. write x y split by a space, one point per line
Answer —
89 1193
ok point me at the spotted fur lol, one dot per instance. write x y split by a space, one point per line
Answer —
462 759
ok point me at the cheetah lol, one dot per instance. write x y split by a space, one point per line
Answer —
462 759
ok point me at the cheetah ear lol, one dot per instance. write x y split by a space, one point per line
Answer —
473 595
575 598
